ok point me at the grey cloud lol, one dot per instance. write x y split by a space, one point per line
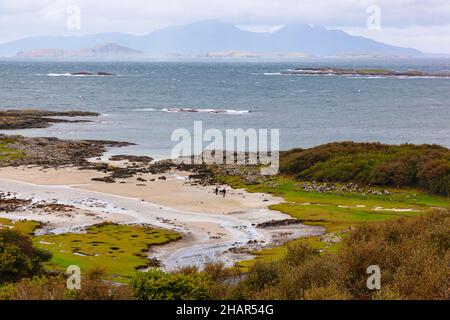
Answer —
20 18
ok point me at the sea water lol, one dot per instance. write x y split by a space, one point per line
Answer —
145 101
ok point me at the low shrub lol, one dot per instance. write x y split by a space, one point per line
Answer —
413 255
18 257
158 285
424 166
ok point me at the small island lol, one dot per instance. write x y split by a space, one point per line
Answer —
363 72
85 73
34 119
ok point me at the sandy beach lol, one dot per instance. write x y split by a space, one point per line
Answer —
172 192
214 228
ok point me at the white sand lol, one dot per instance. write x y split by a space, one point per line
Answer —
173 192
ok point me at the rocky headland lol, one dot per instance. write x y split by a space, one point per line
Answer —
34 119
51 152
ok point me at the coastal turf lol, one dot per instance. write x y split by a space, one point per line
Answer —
119 249
8 153
337 212
24 226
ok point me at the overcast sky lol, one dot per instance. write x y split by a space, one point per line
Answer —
421 24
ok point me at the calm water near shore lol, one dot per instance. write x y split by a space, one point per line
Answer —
145 102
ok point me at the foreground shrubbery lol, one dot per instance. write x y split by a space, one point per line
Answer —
413 255
158 285
18 257
54 288
424 166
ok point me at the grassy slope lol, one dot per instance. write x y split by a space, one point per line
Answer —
336 212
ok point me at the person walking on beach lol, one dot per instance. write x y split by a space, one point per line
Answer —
224 192
216 191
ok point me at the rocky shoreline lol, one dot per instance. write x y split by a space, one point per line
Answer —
51 152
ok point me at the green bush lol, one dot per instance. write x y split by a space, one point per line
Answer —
424 166
158 285
18 257
93 287
413 255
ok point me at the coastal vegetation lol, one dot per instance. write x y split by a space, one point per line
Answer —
378 204
413 254
417 166
337 211
119 249
341 185
24 226
18 257
8 154
53 287
158 285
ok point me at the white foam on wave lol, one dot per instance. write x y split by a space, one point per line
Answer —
71 75
192 110
273 74
58 74
393 76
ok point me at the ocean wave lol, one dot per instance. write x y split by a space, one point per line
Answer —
393 76
58 74
73 75
70 75
273 74
192 110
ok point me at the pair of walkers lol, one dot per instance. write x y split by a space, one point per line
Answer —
218 191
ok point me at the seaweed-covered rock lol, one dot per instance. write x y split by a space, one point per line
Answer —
104 179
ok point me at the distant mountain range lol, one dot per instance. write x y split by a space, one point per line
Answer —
203 38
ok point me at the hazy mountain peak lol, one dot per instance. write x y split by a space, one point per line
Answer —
200 38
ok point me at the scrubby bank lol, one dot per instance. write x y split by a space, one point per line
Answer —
424 166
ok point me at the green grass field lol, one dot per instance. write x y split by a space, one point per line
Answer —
24 226
337 212
119 249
